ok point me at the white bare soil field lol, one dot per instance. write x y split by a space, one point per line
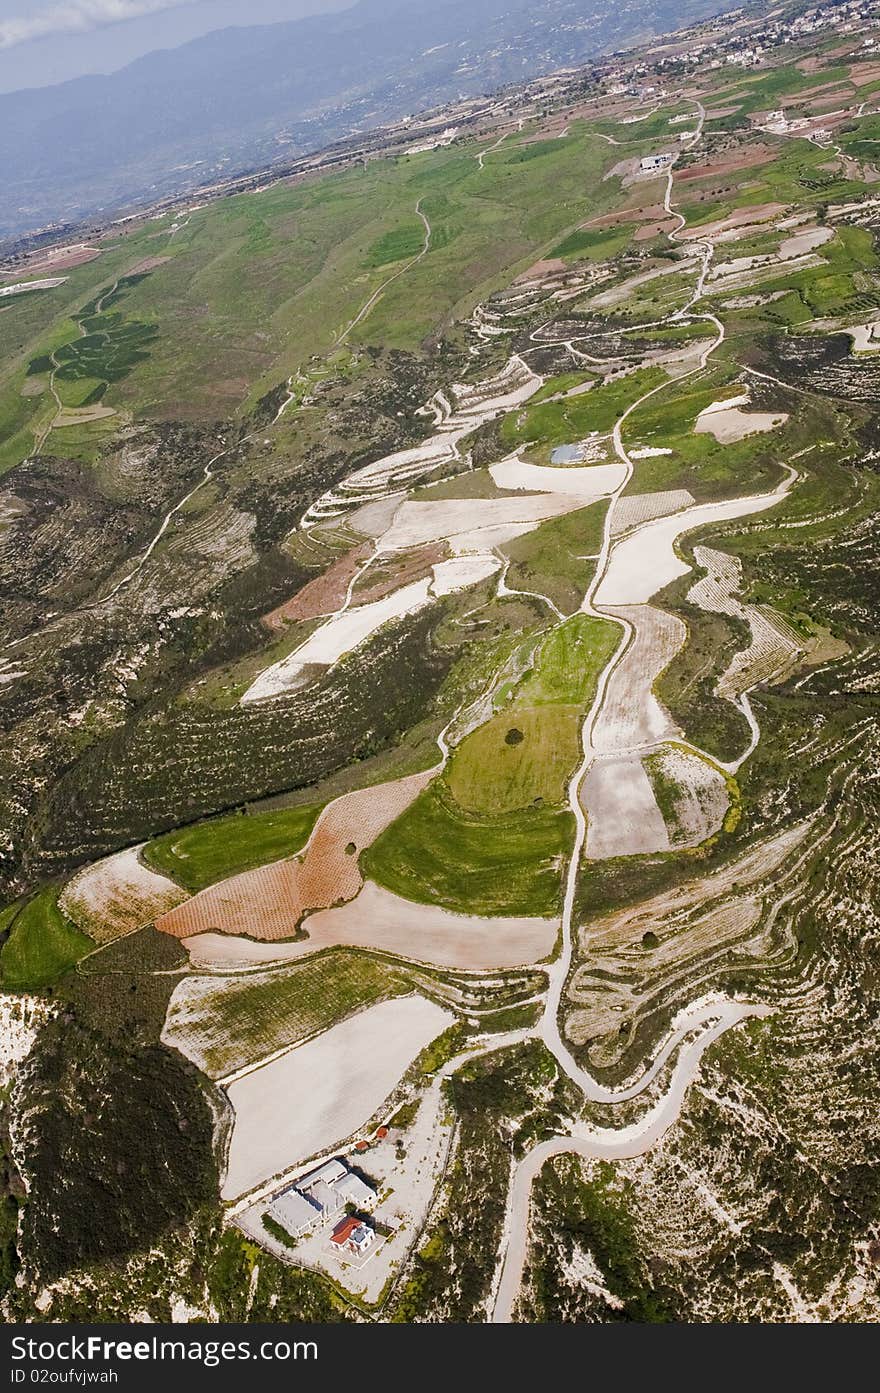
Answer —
379 919
607 299
418 523
754 270
631 715
353 625
462 571
805 241
865 337
372 519
225 951
697 791
773 647
114 896
622 814
728 423
634 509
316 1095
48 283
595 481
644 561
336 637
755 213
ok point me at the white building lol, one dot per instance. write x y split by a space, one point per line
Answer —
653 162
319 1196
294 1212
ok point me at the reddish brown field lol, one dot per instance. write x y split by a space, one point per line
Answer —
728 164
46 264
321 595
650 212
265 904
864 72
649 230
380 580
268 903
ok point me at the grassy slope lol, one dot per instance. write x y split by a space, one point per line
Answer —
525 755
563 422
42 944
551 559
269 279
209 851
438 854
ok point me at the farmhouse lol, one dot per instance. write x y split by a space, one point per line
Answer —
319 1196
353 1235
652 162
294 1212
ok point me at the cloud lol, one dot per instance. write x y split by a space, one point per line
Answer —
78 17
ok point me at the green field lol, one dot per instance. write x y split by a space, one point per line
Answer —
596 245
564 422
520 758
524 756
569 662
42 944
555 559
210 851
437 853
700 463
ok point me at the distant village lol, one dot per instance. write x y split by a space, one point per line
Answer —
735 38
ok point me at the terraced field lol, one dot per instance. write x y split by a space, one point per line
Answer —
469 666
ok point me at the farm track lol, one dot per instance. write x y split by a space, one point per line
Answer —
704 1022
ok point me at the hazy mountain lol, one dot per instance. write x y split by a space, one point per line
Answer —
240 98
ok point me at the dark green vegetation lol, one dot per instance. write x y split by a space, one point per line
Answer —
205 1264
129 1131
210 851
590 1212
122 991
41 944
129 785
440 854
687 687
108 348
398 245
504 1101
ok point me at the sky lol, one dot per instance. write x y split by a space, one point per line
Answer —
46 41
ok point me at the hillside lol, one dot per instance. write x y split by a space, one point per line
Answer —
244 98
438 719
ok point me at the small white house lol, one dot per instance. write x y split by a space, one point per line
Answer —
650 163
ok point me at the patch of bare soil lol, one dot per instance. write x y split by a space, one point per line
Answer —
322 595
394 572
